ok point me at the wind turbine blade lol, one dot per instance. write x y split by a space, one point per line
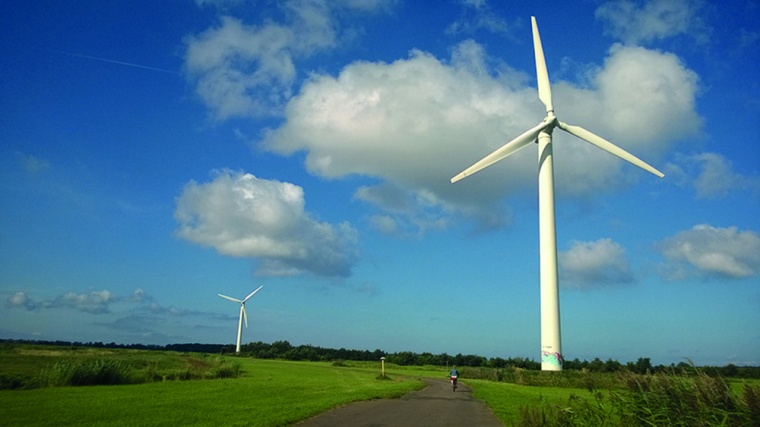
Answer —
251 294
608 146
245 316
507 149
544 88
230 298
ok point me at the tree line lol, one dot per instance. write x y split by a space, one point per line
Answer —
307 352
643 365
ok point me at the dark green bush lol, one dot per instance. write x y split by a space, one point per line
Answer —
224 368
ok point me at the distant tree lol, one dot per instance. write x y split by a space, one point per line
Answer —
279 348
730 370
403 358
612 365
642 365
596 365
458 359
497 362
474 361
425 359
574 364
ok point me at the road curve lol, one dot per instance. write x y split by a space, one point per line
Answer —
435 405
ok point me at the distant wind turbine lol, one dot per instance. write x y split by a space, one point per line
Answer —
243 315
551 347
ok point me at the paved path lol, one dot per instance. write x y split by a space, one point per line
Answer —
435 405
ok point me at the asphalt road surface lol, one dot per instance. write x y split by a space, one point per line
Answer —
435 405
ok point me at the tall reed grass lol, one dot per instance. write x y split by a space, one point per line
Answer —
663 399
115 372
91 372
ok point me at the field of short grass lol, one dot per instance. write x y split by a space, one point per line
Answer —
505 399
270 393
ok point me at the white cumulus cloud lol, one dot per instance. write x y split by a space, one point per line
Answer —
478 16
416 122
20 299
244 216
413 123
706 251
244 70
641 22
590 264
220 61
94 302
711 175
634 86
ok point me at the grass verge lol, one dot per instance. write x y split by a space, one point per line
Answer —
654 400
506 400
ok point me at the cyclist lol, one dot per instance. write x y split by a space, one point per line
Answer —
454 374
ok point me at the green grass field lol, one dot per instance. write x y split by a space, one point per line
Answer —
269 392
505 399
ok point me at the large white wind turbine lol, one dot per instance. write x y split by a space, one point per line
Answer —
243 315
551 348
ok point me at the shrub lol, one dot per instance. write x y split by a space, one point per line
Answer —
92 372
151 374
224 369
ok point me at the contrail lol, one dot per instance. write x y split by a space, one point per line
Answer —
113 61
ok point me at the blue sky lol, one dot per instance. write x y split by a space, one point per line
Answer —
153 155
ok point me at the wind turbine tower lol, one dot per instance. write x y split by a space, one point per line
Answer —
551 346
243 315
